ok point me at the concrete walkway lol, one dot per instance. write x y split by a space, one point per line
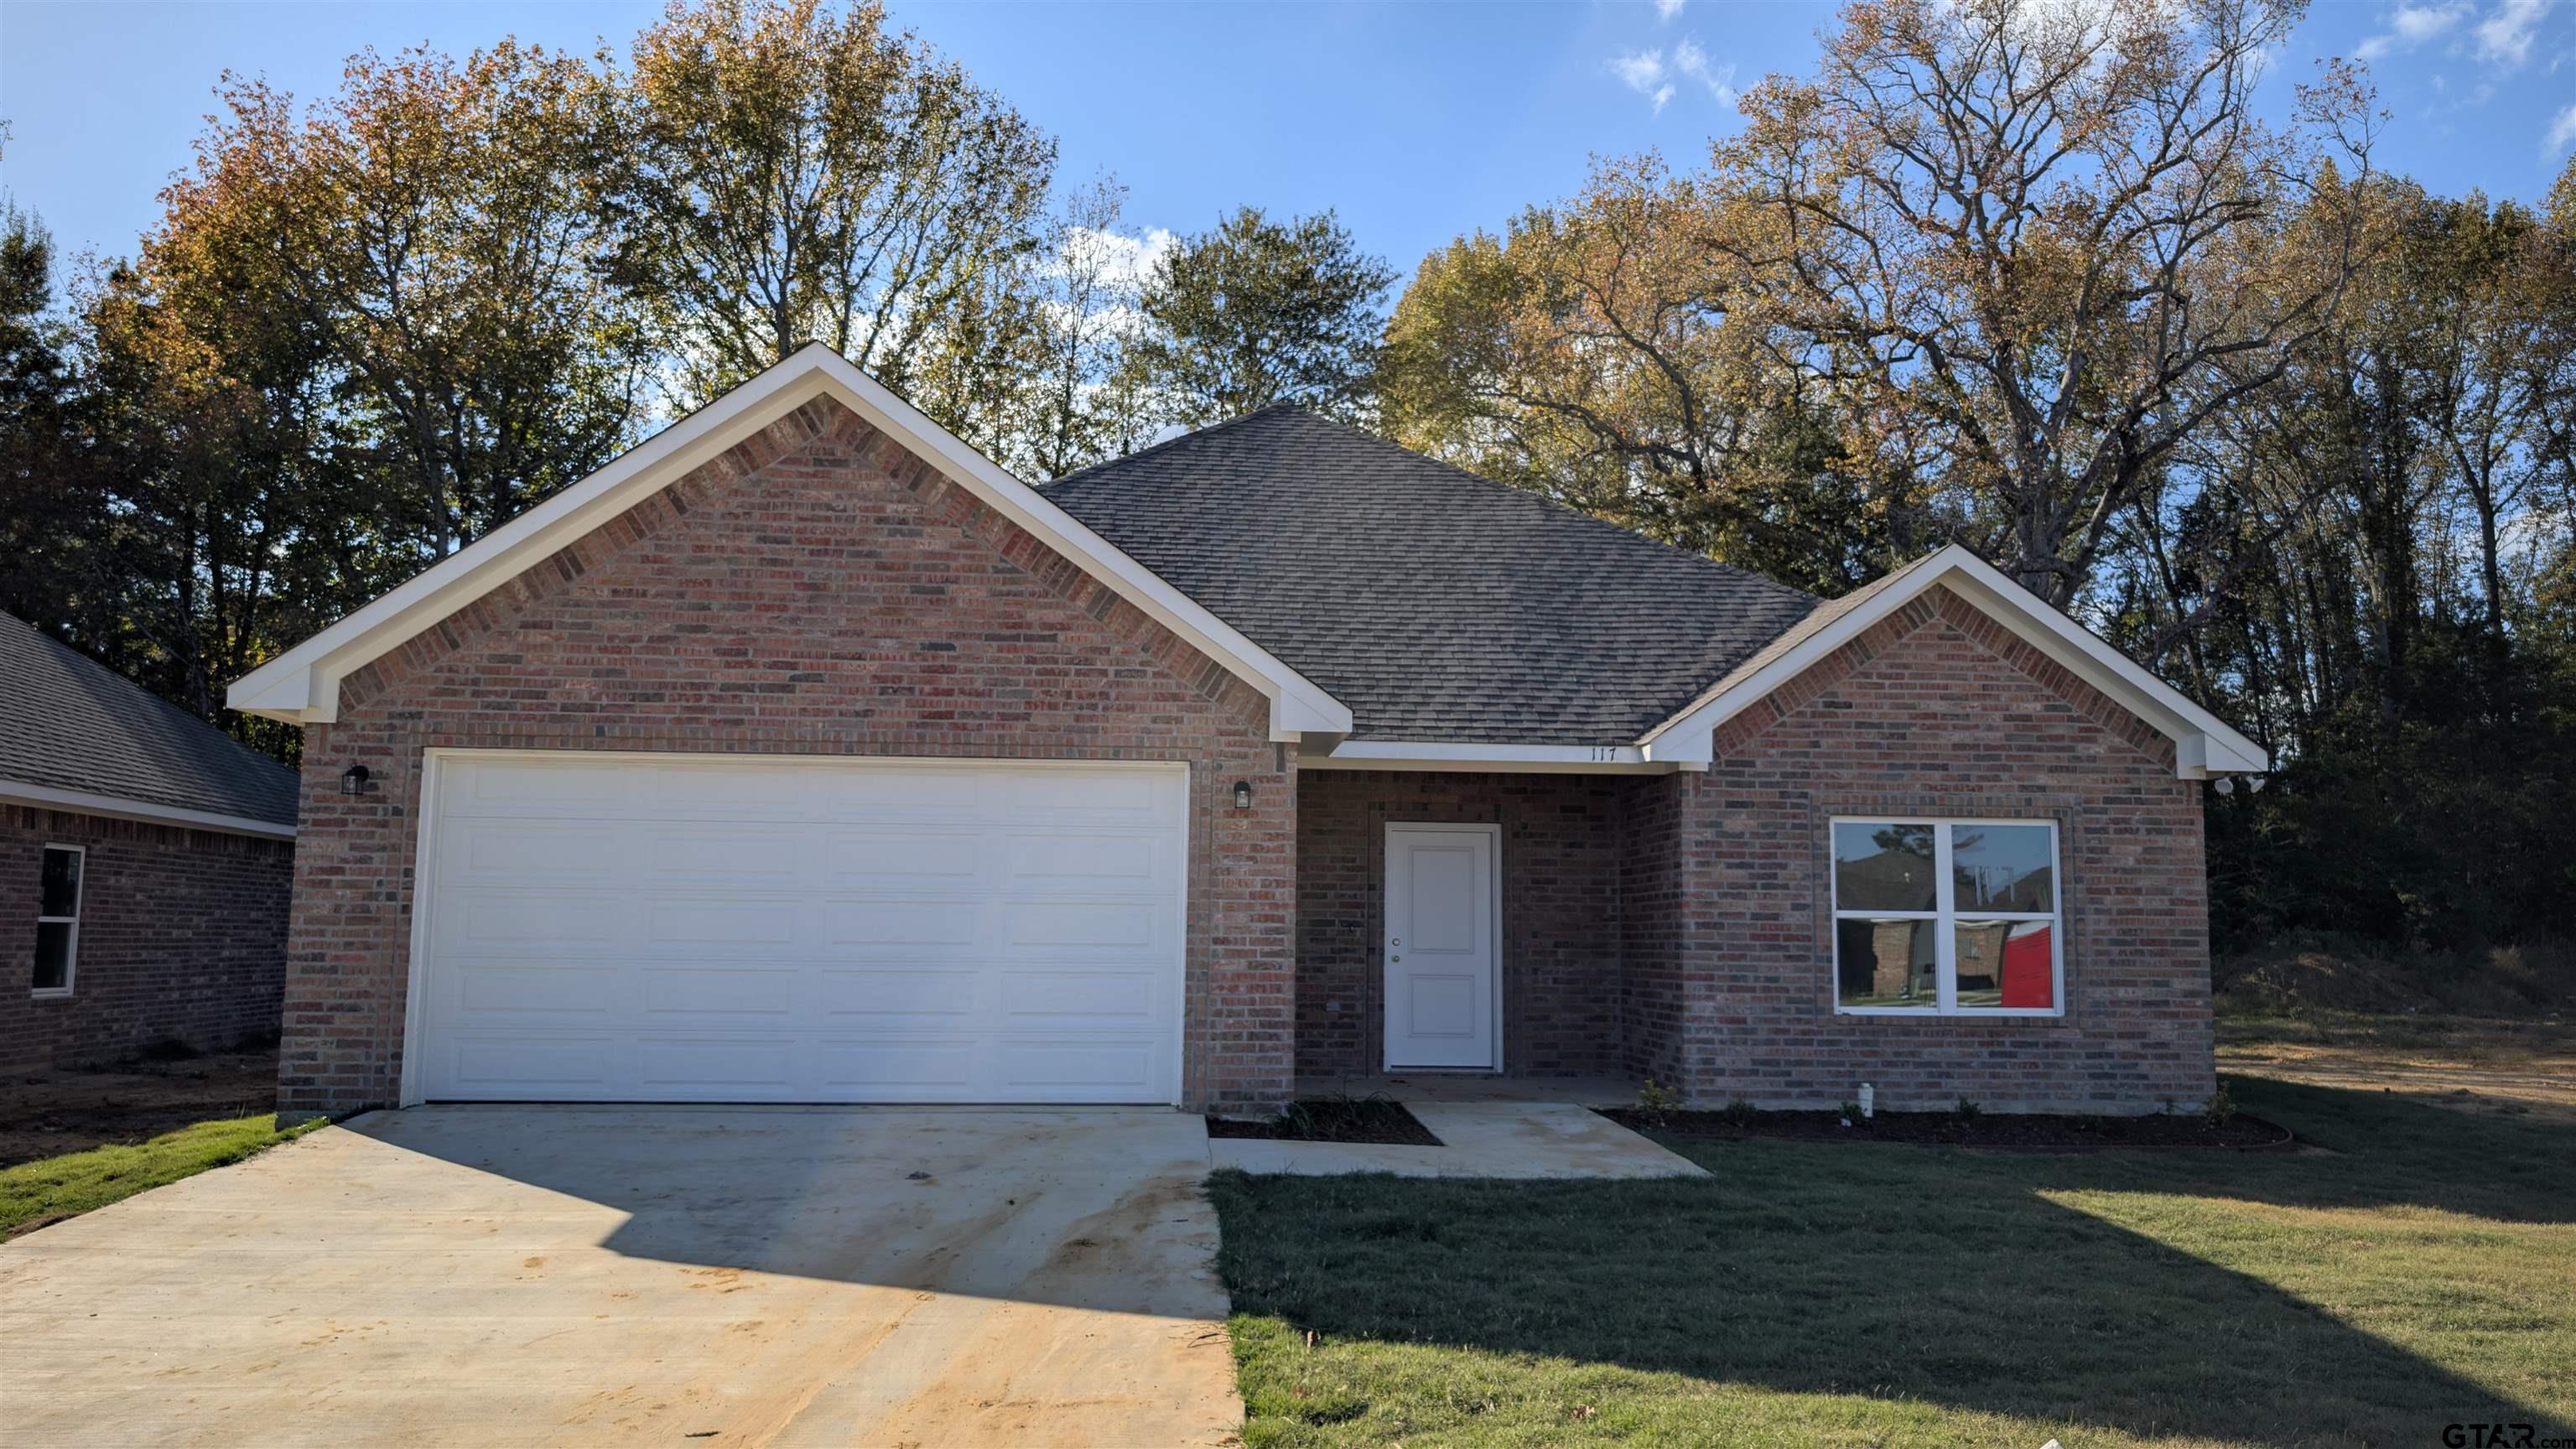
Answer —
1479 1139
556 1275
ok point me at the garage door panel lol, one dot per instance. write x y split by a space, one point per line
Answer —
1080 1000
1087 927
516 853
1044 1068
900 997
721 923
1086 861
492 921
905 927
782 929
901 1068
728 990
902 855
530 1067
716 1067
729 855
491 993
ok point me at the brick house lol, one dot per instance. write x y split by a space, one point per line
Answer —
146 860
802 754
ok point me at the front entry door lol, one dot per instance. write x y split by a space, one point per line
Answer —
1442 925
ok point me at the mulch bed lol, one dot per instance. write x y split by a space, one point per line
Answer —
2010 1131
1374 1120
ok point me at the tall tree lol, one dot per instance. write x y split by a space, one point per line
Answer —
48 521
1253 311
792 171
1602 353
2039 244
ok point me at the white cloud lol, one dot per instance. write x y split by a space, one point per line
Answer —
2506 34
2410 27
2416 24
2562 132
1640 72
1693 62
1667 9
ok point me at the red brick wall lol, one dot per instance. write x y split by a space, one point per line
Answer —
815 591
1561 867
1651 927
182 934
1940 711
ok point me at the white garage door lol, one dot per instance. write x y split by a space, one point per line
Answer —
685 928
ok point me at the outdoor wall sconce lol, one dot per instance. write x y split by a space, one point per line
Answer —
1243 794
353 780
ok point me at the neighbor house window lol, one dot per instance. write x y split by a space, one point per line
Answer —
58 895
1937 916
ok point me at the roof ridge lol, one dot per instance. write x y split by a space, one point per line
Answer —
1561 506
1150 449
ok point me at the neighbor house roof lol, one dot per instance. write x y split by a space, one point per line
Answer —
76 735
1438 605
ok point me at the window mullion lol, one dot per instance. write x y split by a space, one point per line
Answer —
1945 939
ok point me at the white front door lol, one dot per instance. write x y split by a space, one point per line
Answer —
750 928
1442 925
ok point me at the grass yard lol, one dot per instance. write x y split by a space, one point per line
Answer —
50 1189
2419 1271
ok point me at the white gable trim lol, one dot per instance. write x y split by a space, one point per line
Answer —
302 685
2204 745
117 807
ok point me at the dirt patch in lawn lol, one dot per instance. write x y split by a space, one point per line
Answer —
2020 1131
69 1109
2483 1065
1370 1119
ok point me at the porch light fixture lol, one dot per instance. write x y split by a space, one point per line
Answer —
353 780
1243 794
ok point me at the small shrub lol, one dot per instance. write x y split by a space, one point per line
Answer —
1969 1111
1656 1102
2222 1106
1851 1114
1738 1113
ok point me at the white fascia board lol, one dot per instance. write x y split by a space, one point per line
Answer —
117 807
301 686
1506 758
2204 745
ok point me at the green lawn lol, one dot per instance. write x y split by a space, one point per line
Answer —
2420 1272
35 1193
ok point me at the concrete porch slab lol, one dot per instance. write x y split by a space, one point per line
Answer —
1481 1139
1412 1087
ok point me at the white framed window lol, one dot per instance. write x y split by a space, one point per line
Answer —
1936 917
58 899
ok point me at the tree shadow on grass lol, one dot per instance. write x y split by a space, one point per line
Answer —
2158 1294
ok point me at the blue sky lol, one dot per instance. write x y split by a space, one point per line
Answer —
1417 121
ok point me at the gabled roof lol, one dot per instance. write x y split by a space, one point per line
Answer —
1440 606
2204 744
75 735
303 684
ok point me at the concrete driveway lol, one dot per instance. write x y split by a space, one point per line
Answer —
561 1275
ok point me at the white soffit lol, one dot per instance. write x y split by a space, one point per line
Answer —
2204 745
302 685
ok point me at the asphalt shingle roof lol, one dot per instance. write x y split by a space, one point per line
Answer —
70 723
1438 605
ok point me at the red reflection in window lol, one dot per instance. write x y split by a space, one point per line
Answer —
2026 970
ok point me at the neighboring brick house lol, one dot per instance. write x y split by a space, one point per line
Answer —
802 754
145 865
